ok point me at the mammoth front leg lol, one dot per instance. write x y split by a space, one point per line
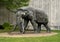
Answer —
25 24
21 27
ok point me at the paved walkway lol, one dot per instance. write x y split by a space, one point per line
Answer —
27 34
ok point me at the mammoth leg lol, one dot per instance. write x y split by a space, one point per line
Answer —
34 24
21 27
39 28
14 28
47 27
25 24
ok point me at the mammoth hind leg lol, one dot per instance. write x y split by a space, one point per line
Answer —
47 27
39 28
34 24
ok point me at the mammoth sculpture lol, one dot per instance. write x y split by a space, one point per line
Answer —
37 18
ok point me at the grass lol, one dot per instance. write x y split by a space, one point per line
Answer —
55 38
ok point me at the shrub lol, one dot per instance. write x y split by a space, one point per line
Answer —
1 27
7 26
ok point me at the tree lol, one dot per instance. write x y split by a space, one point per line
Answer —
13 4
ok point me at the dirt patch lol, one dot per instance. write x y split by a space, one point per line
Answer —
27 34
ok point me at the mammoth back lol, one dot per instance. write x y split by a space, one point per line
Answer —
41 16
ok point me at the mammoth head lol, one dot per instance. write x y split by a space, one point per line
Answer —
21 12
24 12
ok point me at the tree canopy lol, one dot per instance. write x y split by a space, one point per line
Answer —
13 4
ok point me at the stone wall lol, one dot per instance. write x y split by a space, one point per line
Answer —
7 16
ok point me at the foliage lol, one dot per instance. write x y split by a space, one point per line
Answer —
13 4
7 26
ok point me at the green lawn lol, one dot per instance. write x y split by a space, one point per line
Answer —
55 38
